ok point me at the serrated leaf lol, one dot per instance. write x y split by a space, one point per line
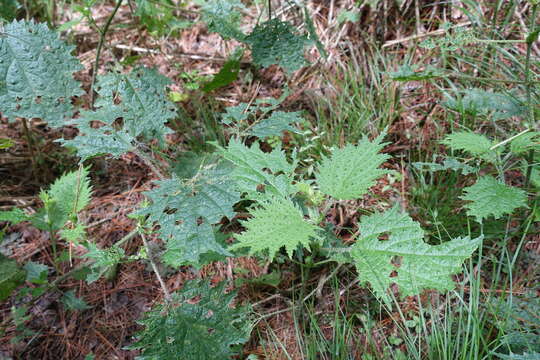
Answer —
256 168
276 224
102 260
144 105
223 18
197 330
524 356
190 243
72 302
276 124
275 43
139 99
489 197
478 101
524 143
30 54
103 140
72 191
36 273
185 211
415 264
74 234
475 144
349 172
13 216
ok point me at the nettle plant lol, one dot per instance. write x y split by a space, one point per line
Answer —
187 207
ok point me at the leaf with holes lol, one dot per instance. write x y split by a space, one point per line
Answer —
36 74
255 169
404 258
223 17
185 210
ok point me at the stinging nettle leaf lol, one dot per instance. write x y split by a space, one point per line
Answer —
275 43
205 329
404 258
489 197
474 144
349 172
36 74
276 124
255 168
277 223
72 192
129 106
223 17
185 211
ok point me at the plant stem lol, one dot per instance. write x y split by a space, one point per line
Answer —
155 268
102 35
528 89
149 163
30 141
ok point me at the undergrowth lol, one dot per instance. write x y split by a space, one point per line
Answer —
440 263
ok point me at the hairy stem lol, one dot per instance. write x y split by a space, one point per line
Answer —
155 268
99 48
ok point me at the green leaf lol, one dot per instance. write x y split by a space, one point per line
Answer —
276 124
144 106
227 74
11 276
524 356
223 18
14 216
199 324
349 172
409 73
525 142
475 144
105 140
6 143
403 258
256 168
72 302
139 99
490 197
478 101
36 273
29 55
103 260
185 211
274 43
276 224
72 191
8 9
75 234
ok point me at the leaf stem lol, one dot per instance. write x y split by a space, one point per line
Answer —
166 292
99 48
